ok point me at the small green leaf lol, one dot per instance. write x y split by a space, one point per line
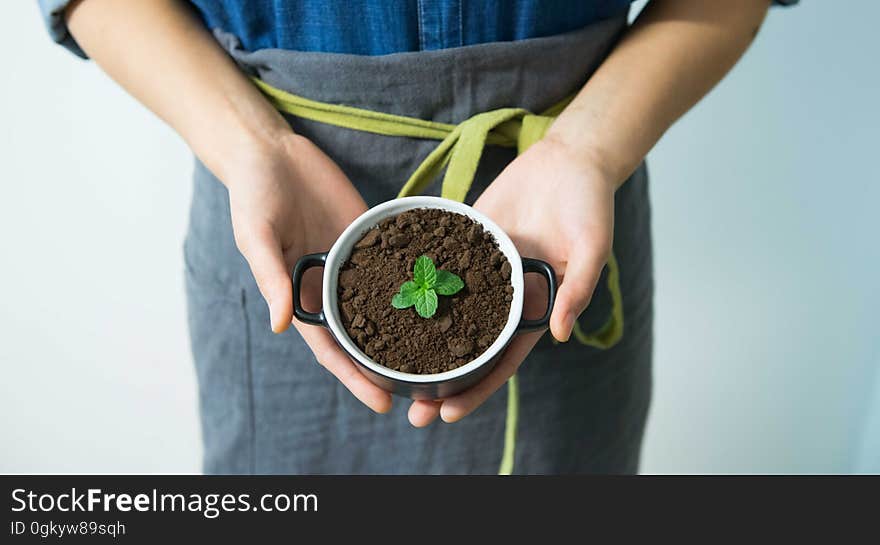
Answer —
426 303
448 283
426 284
406 297
424 272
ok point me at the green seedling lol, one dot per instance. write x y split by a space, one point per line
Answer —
426 285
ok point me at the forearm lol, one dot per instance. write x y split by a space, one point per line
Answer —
161 54
676 51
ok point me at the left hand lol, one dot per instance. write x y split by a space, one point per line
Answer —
557 205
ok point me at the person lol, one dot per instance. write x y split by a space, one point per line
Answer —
271 186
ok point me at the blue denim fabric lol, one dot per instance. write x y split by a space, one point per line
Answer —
53 18
379 27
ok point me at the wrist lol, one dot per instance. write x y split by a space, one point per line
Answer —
234 155
589 158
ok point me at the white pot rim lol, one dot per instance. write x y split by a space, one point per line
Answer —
342 249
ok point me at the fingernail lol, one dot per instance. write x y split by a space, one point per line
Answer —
383 408
567 325
448 415
272 324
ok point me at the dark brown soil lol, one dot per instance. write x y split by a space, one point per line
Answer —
465 323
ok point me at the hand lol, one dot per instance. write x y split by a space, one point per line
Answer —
557 205
287 201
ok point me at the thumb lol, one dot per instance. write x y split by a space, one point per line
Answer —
580 279
262 250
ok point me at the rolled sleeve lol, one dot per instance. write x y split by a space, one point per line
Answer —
53 17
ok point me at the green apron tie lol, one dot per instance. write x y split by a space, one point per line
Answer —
459 152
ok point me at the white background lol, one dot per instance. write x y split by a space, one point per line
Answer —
766 220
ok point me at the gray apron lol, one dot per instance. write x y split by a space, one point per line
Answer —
268 407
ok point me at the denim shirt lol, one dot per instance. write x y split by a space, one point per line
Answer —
379 27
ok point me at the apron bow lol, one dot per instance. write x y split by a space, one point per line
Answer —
460 151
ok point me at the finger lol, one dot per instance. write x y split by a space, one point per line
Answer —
329 355
581 275
262 250
457 407
423 412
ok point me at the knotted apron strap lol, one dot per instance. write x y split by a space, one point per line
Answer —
459 152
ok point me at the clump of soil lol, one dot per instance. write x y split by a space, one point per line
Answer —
465 323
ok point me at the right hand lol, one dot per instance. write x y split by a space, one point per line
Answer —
288 201
287 197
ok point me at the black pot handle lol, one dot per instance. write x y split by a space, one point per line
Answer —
305 263
543 268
